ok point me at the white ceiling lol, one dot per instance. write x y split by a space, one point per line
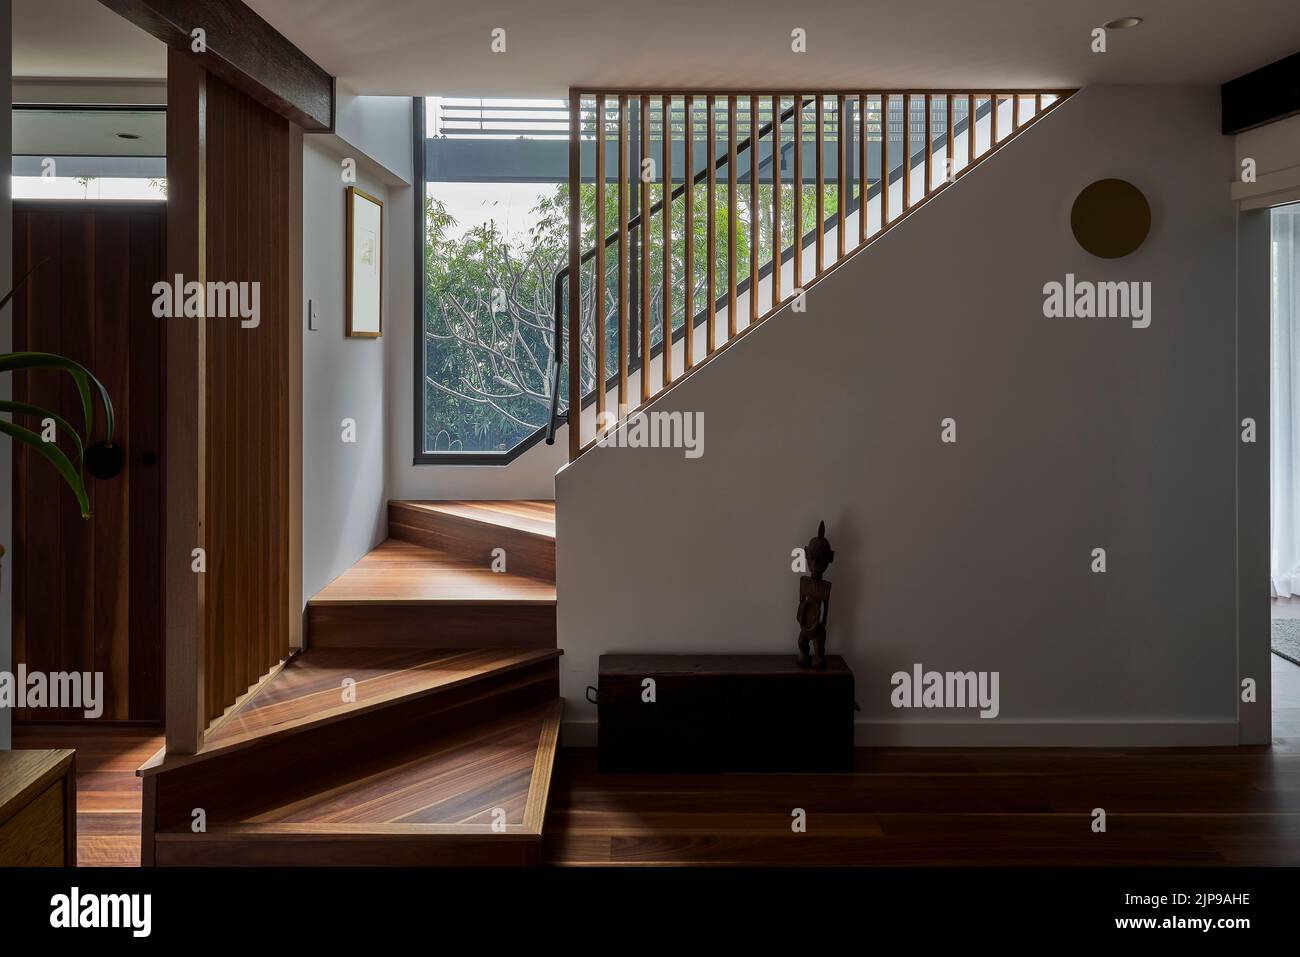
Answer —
81 38
442 46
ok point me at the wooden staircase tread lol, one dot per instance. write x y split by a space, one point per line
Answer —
402 573
452 784
309 691
531 516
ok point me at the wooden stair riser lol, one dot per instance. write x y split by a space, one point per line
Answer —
431 625
230 785
526 553
221 849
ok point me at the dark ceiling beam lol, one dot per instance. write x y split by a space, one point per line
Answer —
1263 96
244 50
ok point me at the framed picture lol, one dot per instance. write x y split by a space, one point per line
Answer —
365 266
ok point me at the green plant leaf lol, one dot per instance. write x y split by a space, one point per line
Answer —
19 284
37 361
55 456
65 427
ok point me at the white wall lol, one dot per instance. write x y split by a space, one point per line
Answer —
343 483
6 343
380 126
1072 435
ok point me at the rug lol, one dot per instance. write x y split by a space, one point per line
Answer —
1286 639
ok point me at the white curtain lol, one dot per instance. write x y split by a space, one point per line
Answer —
1285 401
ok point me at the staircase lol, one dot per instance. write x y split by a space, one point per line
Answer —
418 727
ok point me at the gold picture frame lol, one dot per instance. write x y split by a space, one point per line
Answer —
365 264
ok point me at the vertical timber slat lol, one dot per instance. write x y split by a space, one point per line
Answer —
710 229
666 209
820 226
688 251
755 239
798 191
185 388
598 295
733 220
862 169
843 185
575 276
624 310
645 248
776 201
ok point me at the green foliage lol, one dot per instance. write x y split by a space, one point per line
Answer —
489 310
70 469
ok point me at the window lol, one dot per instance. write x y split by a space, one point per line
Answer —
494 234
89 153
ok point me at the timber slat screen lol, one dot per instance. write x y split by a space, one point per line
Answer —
793 183
233 402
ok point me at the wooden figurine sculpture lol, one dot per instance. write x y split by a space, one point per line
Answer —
814 601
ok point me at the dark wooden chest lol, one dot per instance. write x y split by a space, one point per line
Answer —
724 713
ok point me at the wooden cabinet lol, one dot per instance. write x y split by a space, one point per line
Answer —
724 713
38 809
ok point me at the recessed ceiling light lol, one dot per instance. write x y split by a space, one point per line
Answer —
1122 23
128 136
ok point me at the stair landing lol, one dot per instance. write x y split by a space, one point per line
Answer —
476 796
399 572
434 583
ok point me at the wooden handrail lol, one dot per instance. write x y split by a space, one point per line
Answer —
940 141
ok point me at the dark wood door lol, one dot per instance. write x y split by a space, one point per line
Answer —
88 592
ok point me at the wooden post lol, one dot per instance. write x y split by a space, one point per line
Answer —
185 387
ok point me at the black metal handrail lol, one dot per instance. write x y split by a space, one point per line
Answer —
590 254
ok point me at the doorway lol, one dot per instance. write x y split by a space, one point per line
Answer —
87 592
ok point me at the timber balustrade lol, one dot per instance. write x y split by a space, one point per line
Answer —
727 206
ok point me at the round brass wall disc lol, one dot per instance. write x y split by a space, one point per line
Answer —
1110 218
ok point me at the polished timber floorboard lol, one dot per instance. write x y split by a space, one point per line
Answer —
902 806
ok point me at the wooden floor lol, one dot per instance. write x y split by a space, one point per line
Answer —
108 791
902 806
935 807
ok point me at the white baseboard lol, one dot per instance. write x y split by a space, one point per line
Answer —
1007 734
